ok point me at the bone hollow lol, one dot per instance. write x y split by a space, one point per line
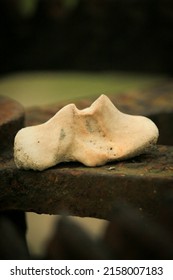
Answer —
92 136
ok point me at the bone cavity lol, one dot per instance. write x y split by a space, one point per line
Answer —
92 136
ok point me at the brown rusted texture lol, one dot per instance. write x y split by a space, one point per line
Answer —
82 191
92 192
11 120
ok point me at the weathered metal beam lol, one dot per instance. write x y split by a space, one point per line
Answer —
91 192
11 120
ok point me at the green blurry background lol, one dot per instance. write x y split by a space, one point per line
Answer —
40 88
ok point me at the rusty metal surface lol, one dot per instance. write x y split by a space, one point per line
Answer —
90 192
82 191
11 120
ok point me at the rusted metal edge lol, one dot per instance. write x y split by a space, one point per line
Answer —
11 120
90 192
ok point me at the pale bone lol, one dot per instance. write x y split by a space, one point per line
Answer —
92 136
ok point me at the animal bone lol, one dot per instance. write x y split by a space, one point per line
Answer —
92 136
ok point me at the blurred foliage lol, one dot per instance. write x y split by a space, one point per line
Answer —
70 4
119 35
48 87
27 7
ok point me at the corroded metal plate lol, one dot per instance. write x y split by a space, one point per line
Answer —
92 192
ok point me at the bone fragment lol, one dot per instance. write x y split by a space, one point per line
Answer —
92 136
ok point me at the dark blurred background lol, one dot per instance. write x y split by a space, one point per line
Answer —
120 35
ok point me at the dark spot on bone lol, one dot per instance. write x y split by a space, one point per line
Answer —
62 134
